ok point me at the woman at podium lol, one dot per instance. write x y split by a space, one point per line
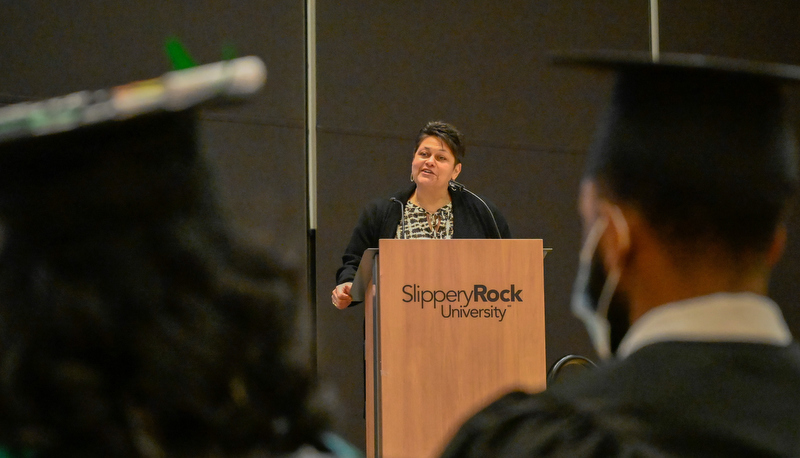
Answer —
434 206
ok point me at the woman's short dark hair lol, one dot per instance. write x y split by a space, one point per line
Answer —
448 134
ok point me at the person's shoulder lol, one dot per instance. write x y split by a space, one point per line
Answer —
584 414
521 424
477 205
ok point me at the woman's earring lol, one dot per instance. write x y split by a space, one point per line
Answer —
412 177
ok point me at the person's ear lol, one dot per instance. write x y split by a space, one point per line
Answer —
616 241
778 245
456 171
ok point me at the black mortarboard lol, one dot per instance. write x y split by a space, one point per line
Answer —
128 153
694 134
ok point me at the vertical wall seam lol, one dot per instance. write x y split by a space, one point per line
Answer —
311 111
311 175
654 39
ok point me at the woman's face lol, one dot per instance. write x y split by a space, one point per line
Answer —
434 164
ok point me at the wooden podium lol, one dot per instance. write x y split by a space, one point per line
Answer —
450 325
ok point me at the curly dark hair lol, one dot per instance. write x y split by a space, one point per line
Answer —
131 323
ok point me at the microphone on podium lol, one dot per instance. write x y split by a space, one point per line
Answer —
402 217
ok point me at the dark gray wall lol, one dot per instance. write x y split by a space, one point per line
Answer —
384 69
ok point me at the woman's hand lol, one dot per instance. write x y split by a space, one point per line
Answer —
340 296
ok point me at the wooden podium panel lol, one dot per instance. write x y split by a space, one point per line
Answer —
451 325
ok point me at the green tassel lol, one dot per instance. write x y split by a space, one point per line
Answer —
178 56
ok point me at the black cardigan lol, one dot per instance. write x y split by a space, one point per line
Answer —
379 220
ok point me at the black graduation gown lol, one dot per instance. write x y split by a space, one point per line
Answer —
667 399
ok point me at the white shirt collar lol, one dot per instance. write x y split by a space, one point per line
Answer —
720 317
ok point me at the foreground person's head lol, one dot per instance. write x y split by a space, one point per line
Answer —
131 322
690 172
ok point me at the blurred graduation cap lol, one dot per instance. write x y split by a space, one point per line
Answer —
119 154
692 128
623 61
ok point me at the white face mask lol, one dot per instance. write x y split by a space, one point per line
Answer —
593 311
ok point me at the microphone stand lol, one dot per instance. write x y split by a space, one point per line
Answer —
456 186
